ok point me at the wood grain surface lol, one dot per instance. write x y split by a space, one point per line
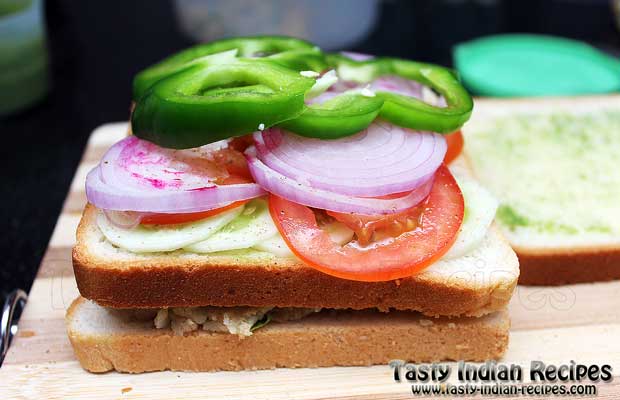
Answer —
553 324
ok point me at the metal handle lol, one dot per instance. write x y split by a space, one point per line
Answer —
8 326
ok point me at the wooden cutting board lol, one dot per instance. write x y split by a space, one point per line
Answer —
556 325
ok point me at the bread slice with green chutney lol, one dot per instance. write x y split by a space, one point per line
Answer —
553 165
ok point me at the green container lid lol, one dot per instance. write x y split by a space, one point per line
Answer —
534 65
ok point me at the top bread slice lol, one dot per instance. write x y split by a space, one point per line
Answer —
478 283
566 228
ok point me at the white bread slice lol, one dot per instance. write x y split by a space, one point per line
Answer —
103 341
556 179
475 284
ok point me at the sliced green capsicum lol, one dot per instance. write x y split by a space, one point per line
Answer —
343 115
300 60
405 110
201 105
289 52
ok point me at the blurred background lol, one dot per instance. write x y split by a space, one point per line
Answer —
66 67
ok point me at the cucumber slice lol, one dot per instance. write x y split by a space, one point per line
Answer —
480 208
337 231
252 226
145 239
275 245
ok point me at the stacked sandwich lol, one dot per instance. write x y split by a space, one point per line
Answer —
281 207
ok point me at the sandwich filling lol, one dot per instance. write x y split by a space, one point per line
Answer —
250 226
241 321
271 145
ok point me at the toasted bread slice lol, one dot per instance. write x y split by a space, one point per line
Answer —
475 284
105 341
478 283
552 165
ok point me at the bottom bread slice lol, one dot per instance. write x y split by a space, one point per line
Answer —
103 341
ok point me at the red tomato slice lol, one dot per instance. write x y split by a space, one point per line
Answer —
234 161
399 257
166 219
455 146
234 180
367 227
241 143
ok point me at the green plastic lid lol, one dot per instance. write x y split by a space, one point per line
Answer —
534 65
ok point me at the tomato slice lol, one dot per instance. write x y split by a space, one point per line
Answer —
241 143
167 219
369 227
234 161
377 227
393 258
455 146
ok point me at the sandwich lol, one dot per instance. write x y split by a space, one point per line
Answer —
276 206
552 169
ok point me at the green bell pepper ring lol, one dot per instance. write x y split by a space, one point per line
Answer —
286 51
344 115
300 60
407 111
203 105
146 78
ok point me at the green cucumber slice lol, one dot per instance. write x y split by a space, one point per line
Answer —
275 245
157 238
252 226
480 208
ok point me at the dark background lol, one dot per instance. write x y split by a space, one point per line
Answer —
97 46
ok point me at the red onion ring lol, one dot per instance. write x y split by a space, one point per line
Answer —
398 85
138 164
124 219
386 83
357 56
276 183
110 197
381 160
135 175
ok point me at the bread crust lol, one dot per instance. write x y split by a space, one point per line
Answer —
554 267
161 281
365 338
